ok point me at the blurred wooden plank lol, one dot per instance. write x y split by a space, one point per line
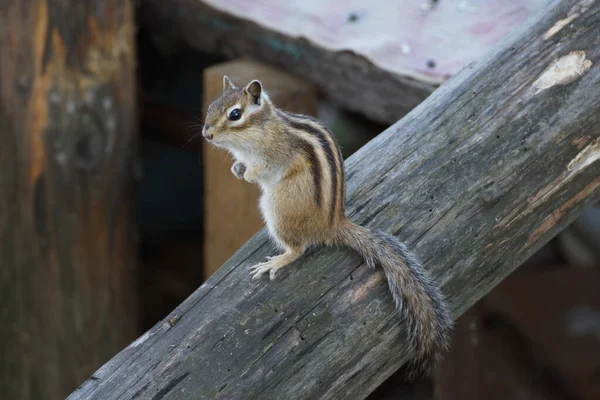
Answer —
377 58
231 214
67 155
559 310
513 367
459 375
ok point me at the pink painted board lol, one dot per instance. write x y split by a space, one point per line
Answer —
423 39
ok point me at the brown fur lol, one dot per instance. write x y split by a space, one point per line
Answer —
298 164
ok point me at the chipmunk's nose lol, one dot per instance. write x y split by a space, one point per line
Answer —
205 132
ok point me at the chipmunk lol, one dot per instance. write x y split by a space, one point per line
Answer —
299 166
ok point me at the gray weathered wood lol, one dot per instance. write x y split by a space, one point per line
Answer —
67 154
475 179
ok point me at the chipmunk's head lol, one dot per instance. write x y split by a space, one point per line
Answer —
234 119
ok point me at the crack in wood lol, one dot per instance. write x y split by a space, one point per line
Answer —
170 386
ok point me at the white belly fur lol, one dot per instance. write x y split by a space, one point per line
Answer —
268 212
267 182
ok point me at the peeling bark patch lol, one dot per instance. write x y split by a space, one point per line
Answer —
560 212
174 382
557 27
573 13
362 291
582 160
173 321
141 339
588 156
565 70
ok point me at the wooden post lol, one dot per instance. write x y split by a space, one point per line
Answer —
227 198
67 154
476 179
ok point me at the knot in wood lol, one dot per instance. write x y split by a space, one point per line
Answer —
90 138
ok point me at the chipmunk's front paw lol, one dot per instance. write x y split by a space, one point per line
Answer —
238 169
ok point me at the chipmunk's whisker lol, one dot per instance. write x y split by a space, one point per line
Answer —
194 136
194 126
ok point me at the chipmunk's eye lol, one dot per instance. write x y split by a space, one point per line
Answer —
235 114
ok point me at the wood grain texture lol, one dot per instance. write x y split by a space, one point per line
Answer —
347 78
475 180
227 199
67 246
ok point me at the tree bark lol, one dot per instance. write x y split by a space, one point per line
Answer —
67 240
476 179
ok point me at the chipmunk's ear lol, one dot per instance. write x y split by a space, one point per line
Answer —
254 90
227 84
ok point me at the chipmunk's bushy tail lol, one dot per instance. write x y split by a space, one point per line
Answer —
418 300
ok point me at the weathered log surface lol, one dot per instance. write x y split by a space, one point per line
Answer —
67 246
364 55
476 179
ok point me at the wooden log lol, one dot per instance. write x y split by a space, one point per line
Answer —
475 180
67 141
226 198
371 46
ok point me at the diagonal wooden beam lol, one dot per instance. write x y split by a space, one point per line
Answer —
476 179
